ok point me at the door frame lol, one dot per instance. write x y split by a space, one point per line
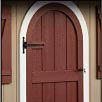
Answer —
34 8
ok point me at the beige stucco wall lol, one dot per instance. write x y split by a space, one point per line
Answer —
10 93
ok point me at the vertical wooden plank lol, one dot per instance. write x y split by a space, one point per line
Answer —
79 91
37 66
60 41
28 80
60 54
72 49
80 54
35 62
72 92
48 53
48 92
48 39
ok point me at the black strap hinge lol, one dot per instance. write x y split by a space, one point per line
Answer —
35 45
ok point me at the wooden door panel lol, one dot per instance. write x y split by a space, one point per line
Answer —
52 71
48 53
48 39
60 92
71 46
36 95
60 53
72 90
48 92
60 41
55 76
35 64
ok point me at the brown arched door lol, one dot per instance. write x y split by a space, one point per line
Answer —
54 56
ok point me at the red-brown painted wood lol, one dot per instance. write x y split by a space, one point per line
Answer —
34 92
54 76
72 88
60 54
48 53
6 45
99 43
52 71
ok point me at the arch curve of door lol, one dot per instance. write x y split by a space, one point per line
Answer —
78 18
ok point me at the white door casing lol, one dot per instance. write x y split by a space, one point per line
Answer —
34 8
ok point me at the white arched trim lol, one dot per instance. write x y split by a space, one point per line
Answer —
23 33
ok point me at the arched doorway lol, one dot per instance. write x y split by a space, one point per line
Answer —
54 70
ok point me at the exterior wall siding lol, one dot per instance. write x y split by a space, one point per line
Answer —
10 93
88 11
95 85
9 90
